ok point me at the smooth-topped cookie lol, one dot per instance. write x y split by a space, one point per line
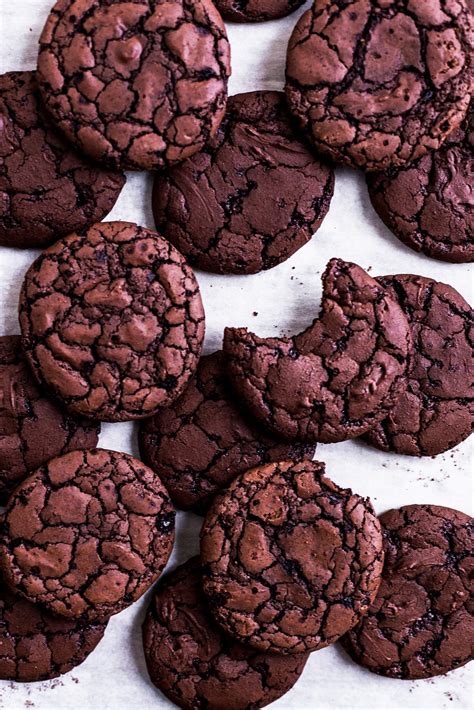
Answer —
429 205
195 664
201 443
421 623
112 321
47 189
138 85
436 412
251 198
290 560
339 377
378 83
36 645
87 534
33 429
256 10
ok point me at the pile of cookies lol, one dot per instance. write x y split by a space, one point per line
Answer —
112 326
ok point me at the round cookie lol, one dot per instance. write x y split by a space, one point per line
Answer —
33 429
338 378
290 560
137 85
436 412
87 534
211 670
421 623
201 443
429 205
378 83
47 190
210 207
112 321
37 645
256 10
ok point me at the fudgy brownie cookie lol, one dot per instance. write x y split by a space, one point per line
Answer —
436 412
47 190
210 671
251 198
429 205
112 321
87 534
339 377
256 10
35 645
421 623
379 83
139 85
290 560
32 428
201 443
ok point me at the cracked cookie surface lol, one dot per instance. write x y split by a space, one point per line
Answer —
37 645
137 84
378 83
436 412
195 664
339 377
256 10
201 443
87 534
210 207
112 321
33 429
290 560
421 623
429 205
47 189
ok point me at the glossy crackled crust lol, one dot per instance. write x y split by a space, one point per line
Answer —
112 321
140 84
87 534
290 560
256 10
195 664
421 623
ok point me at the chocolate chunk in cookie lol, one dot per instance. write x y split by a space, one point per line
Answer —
201 443
429 205
35 645
421 623
47 189
112 321
33 429
256 10
290 560
137 85
210 670
377 84
436 412
339 377
251 198
87 534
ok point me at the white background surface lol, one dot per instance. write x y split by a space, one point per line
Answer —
286 299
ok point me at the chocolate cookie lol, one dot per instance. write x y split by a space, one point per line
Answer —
378 84
339 377
436 412
421 623
290 560
87 534
36 645
195 664
201 443
33 429
139 85
210 207
112 321
429 206
47 190
256 10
